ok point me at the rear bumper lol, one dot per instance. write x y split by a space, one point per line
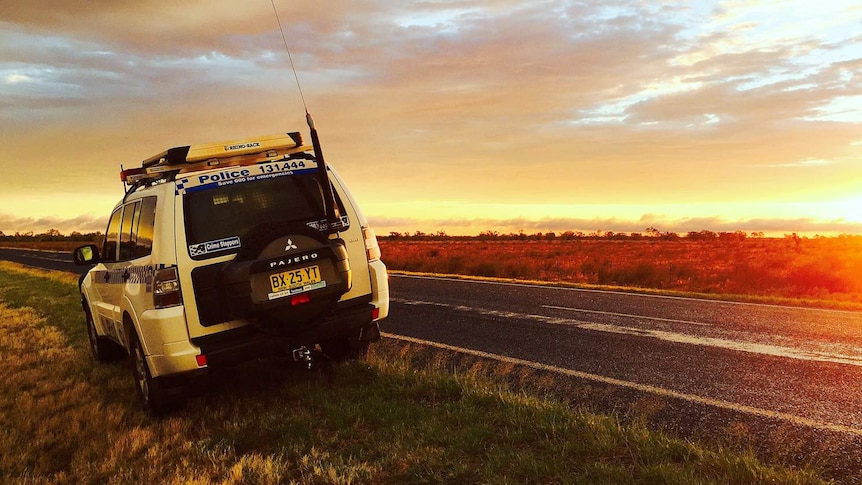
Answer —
249 342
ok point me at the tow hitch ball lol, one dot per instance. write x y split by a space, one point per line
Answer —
303 355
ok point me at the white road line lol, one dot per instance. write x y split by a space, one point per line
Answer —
55 260
660 391
740 346
488 312
627 315
853 357
36 250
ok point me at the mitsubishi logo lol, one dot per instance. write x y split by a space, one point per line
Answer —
290 245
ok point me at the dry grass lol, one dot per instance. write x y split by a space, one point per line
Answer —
58 276
70 421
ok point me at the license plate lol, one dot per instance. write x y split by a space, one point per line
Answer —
295 281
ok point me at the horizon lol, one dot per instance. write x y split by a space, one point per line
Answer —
461 117
647 233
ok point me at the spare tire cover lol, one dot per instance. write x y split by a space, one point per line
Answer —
279 261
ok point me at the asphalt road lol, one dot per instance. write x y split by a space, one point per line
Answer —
785 381
60 261
773 376
802 362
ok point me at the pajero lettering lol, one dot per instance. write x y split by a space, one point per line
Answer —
294 260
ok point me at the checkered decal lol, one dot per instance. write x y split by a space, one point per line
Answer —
181 184
197 249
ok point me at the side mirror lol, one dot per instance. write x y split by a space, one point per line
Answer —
86 255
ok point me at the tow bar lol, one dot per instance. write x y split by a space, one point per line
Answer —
303 355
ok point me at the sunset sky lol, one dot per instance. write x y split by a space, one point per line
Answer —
455 115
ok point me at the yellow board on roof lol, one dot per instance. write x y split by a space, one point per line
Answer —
226 149
233 148
233 160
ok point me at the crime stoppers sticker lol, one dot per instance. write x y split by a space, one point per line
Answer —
208 247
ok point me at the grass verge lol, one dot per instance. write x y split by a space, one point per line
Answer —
65 419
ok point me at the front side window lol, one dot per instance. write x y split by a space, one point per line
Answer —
112 237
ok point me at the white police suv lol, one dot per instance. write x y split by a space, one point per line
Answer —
229 251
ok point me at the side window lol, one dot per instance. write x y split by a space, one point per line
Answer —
131 213
112 237
146 225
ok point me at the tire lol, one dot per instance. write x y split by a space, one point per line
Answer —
153 396
103 349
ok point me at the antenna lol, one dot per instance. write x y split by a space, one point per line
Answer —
330 207
290 57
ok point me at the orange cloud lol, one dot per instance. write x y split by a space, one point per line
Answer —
516 102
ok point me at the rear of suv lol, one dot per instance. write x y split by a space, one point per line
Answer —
223 252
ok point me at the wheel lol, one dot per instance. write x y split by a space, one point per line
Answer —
103 349
153 396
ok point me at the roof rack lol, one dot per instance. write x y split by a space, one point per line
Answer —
167 164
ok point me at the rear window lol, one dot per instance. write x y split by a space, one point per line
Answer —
217 218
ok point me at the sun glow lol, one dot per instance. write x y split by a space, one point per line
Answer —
849 209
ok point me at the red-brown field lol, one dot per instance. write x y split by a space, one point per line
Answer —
826 269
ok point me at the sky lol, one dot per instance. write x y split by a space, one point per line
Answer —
453 115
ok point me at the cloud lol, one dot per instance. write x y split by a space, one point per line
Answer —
10 224
802 164
556 102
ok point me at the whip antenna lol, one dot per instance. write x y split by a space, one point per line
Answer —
332 216
289 57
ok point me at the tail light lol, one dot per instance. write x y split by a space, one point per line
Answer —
372 249
166 288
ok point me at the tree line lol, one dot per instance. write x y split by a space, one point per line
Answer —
649 234
51 235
